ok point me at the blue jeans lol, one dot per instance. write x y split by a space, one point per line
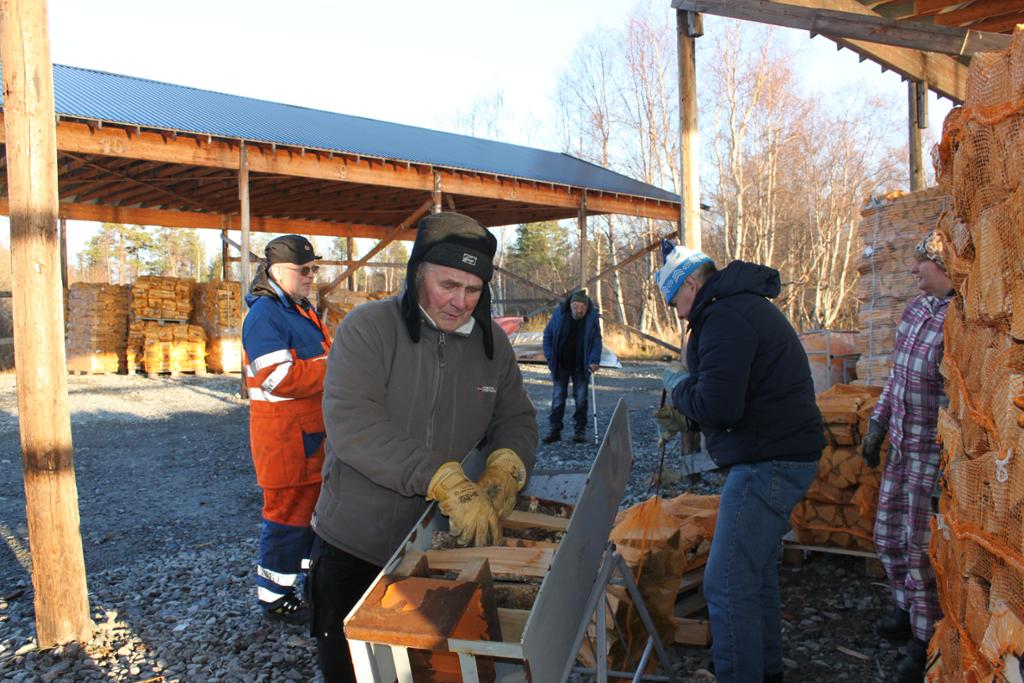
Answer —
579 394
741 580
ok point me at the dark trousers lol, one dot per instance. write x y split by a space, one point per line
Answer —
337 580
559 393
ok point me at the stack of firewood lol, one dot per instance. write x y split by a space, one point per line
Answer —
170 347
218 310
97 326
977 543
890 228
839 508
162 298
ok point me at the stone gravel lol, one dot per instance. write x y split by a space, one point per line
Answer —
170 519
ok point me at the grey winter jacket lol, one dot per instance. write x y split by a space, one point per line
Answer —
395 411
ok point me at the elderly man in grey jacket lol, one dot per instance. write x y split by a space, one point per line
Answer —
413 384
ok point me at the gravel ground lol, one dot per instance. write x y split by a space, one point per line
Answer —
170 517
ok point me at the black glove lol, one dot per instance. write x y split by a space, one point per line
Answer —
871 444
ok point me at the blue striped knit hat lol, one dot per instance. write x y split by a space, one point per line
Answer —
680 263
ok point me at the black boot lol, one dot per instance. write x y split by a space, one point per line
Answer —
553 436
910 669
580 435
894 626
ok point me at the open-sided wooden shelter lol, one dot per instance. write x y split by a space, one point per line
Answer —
138 151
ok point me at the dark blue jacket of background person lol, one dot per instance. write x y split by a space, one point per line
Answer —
558 328
750 386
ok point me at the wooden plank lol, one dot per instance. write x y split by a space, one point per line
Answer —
513 621
520 519
853 25
51 495
110 140
524 562
695 632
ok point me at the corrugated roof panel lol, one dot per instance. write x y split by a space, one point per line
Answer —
123 99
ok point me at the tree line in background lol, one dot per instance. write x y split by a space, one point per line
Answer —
784 172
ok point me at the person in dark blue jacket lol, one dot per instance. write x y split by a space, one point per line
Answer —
572 347
747 387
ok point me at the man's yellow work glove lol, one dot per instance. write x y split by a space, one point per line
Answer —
670 422
471 517
503 479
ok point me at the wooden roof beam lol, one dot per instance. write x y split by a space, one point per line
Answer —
79 138
944 75
853 25
193 219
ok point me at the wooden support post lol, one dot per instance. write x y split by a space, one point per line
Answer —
914 121
64 263
436 194
51 494
348 257
689 25
244 271
224 255
582 220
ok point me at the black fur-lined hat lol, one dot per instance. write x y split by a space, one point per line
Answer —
456 241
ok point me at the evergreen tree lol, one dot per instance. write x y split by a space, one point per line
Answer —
116 253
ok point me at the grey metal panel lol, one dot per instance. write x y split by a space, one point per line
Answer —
114 98
560 605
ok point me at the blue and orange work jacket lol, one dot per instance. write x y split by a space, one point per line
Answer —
285 347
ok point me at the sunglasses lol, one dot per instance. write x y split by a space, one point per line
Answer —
305 271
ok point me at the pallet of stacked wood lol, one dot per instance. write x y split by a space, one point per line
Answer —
155 347
839 508
889 229
97 327
217 308
338 302
977 543
162 298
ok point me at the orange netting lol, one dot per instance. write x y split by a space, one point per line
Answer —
977 546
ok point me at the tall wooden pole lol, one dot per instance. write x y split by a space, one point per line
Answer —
244 271
582 219
689 25
915 122
64 263
51 494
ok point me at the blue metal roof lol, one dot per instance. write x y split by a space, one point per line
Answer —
87 94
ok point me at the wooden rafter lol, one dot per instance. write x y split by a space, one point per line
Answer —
854 26
402 227
981 10
944 75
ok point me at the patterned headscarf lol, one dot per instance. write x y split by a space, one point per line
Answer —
930 249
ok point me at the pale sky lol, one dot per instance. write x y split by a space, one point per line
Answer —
404 61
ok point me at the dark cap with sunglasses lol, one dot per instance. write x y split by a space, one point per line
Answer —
290 249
